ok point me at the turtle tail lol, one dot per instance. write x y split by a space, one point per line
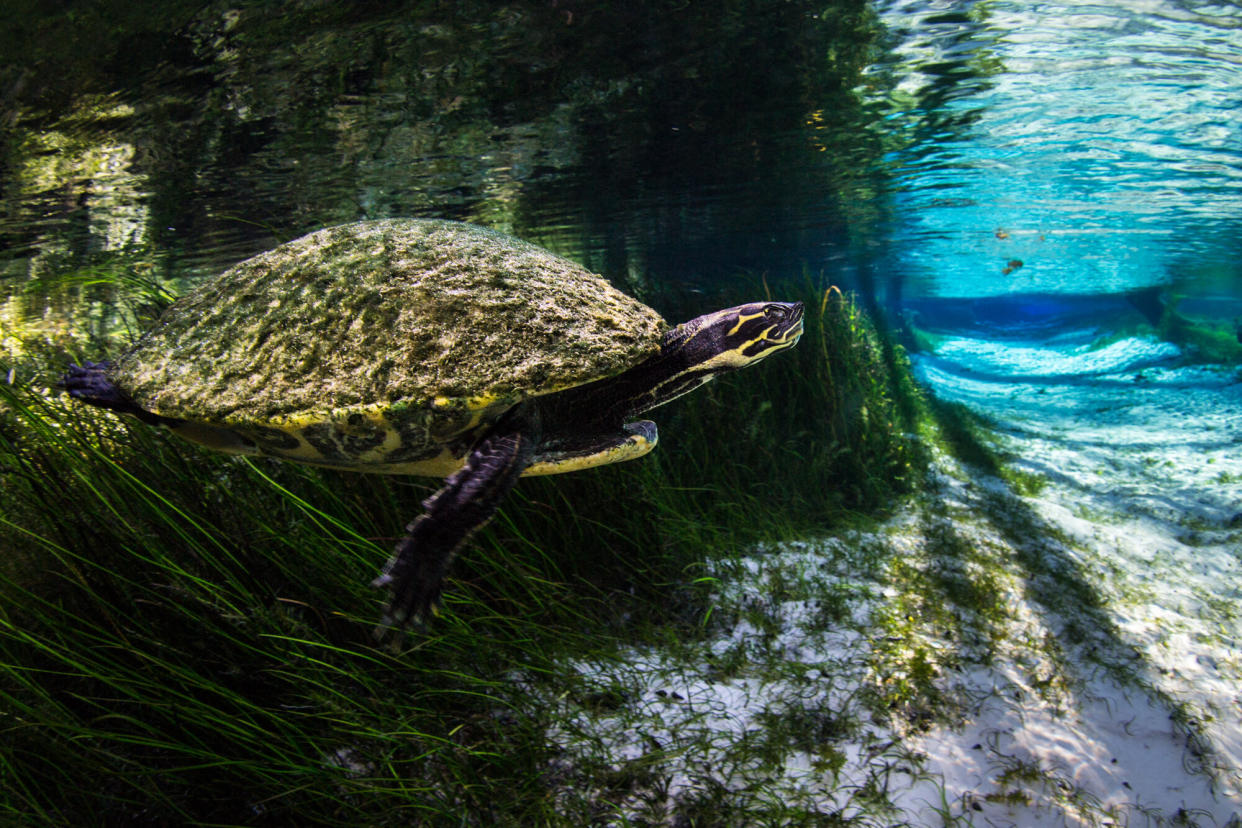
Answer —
89 383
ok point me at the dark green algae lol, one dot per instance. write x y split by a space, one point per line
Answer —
409 324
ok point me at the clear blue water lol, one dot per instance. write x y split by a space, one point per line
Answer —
1101 146
1068 203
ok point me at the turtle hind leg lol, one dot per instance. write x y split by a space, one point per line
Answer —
465 503
89 383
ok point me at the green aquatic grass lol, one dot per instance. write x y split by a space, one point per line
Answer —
184 636
176 630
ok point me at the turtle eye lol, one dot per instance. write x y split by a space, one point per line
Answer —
776 313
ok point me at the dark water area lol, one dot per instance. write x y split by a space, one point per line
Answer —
638 138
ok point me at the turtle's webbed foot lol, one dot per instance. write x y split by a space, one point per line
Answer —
466 502
414 575
89 383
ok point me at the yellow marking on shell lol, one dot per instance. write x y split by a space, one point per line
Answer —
442 465
478 403
445 463
292 424
477 416
367 419
392 442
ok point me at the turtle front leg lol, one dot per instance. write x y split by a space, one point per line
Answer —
567 453
461 507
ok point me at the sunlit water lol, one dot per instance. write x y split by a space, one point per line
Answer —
1069 242
1070 197
1100 144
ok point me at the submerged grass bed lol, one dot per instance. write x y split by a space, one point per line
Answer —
184 637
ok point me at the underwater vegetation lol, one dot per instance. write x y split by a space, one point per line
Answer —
1207 341
185 636
1211 341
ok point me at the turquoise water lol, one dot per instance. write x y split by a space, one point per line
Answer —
1101 146
1069 205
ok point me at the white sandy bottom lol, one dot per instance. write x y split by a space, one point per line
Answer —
941 668
1144 471
1027 741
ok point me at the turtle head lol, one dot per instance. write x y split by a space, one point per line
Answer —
735 337
696 351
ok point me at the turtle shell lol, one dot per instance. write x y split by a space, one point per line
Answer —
380 342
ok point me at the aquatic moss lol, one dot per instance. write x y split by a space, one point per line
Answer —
1207 342
379 311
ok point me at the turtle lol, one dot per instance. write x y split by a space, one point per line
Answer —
423 347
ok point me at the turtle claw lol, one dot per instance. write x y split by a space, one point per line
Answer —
390 627
412 576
